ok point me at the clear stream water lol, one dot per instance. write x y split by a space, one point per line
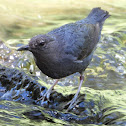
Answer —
105 77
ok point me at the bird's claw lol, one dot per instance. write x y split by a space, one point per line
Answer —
71 104
45 96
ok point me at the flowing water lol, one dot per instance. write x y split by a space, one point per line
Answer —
105 78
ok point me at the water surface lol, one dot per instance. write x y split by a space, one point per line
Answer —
106 75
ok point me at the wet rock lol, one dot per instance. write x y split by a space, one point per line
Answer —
90 108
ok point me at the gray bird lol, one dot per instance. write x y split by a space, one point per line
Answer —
67 49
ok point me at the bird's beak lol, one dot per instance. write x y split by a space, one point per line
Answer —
23 48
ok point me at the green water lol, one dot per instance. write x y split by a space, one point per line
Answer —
26 18
105 76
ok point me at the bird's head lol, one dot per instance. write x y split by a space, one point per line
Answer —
37 43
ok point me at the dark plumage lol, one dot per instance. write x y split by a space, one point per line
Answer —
69 48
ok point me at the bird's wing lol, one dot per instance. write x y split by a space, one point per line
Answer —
81 40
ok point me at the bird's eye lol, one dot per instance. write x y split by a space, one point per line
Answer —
41 43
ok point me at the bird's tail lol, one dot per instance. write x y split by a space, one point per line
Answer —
98 15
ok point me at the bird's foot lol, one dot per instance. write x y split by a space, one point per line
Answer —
46 96
48 92
71 104
74 101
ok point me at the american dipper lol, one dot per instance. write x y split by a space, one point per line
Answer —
67 49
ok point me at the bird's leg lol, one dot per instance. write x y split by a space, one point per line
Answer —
48 92
73 101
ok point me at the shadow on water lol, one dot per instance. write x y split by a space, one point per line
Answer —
102 100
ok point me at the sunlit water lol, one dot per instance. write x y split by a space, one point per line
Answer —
107 71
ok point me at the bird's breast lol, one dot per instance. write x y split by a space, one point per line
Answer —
55 68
